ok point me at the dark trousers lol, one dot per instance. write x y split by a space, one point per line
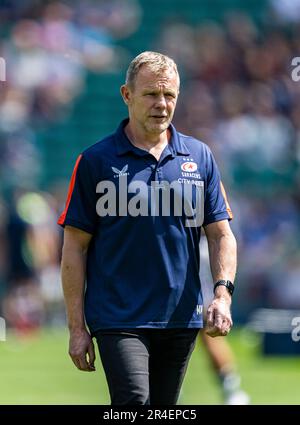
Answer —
145 366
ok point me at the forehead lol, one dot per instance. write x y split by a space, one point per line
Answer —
147 78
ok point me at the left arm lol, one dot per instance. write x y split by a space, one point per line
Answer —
223 260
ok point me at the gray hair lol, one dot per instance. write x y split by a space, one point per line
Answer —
156 62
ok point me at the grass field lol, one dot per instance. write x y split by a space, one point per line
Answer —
39 371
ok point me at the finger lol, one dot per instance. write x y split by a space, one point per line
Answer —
84 366
74 359
210 318
76 362
212 331
91 354
225 326
80 362
218 321
213 335
225 330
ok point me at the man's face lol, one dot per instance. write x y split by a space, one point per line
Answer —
152 100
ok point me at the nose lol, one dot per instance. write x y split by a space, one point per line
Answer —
161 102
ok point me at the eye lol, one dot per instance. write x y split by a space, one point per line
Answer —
170 95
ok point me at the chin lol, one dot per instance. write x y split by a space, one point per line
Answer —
158 128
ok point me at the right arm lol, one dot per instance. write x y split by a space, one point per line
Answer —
73 266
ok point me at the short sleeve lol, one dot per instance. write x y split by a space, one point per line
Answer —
80 209
216 206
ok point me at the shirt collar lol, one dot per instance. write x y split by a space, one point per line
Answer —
176 144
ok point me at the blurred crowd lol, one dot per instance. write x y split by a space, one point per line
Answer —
49 48
30 246
237 96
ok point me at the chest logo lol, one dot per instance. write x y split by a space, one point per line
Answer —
189 167
119 173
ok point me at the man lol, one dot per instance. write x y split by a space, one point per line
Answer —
127 235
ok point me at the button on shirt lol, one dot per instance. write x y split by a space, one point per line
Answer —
143 258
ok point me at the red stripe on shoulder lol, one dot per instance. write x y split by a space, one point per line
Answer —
226 201
62 218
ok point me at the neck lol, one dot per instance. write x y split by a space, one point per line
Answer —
146 141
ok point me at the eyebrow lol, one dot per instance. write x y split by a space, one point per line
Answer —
155 90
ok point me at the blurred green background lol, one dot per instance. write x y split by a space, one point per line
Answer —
39 371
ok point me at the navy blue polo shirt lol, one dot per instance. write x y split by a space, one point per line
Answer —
143 261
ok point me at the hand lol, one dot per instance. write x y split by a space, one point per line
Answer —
219 321
81 345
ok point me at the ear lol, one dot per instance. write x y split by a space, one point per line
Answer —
125 93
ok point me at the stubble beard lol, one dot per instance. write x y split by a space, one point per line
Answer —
157 128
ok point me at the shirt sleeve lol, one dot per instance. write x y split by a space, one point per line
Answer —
80 209
216 206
